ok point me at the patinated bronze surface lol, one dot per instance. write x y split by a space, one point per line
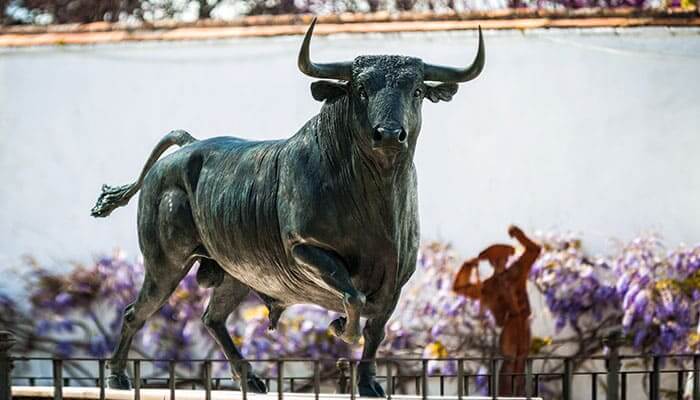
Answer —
505 295
328 216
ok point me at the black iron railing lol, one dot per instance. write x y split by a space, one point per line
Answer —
396 378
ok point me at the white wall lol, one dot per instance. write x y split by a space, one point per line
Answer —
592 131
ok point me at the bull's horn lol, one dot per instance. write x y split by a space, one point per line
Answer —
439 73
340 70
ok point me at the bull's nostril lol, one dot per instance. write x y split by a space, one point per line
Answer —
403 136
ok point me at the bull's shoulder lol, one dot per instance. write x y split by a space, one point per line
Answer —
301 185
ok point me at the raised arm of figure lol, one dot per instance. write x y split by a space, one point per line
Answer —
462 283
532 250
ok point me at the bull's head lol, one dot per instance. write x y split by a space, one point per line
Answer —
385 94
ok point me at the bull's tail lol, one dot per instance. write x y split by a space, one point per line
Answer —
114 197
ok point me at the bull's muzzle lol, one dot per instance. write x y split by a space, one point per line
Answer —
390 139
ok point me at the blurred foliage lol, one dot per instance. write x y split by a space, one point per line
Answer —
81 11
647 292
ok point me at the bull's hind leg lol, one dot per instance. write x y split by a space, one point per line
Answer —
154 292
225 298
167 238
331 270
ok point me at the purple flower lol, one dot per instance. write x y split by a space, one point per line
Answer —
482 381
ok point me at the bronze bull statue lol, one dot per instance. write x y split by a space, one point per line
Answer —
328 216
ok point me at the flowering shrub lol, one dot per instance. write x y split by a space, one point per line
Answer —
660 294
81 11
651 293
576 289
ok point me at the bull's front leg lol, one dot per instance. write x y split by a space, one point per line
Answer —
374 332
332 271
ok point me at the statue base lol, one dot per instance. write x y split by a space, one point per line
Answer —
87 393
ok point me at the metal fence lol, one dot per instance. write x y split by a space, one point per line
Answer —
611 377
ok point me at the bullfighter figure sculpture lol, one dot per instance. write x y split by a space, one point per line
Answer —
505 294
328 216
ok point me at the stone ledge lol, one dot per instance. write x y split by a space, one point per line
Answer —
86 35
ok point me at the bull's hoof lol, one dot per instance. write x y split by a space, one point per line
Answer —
118 380
256 385
370 388
274 314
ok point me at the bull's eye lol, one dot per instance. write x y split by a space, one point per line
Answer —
362 92
418 93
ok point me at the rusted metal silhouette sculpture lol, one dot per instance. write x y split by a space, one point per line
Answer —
328 216
505 294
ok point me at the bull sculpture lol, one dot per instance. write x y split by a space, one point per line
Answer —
328 216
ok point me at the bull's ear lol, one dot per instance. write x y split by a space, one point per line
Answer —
442 91
327 90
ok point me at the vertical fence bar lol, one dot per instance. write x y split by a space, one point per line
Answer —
7 340
537 385
528 379
280 376
137 380
613 360
654 378
101 373
353 379
679 381
460 379
171 379
243 382
594 386
623 385
494 378
58 379
466 384
424 380
566 380
696 376
317 379
390 381
206 377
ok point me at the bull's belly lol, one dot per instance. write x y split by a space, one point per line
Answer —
296 288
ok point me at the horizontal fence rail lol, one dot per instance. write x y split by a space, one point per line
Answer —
396 377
